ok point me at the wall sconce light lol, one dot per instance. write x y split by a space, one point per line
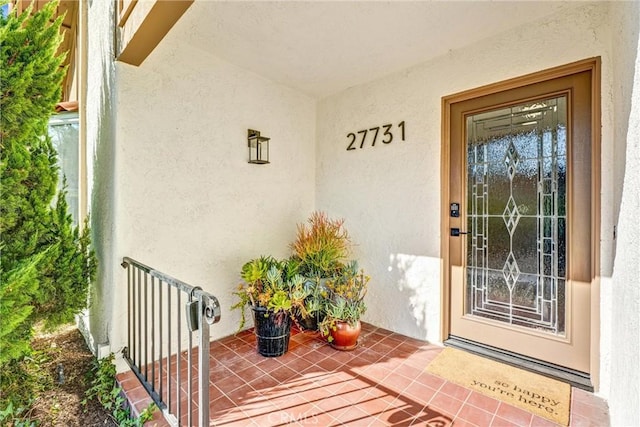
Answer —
258 147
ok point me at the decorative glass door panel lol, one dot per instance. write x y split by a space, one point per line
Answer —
516 214
520 241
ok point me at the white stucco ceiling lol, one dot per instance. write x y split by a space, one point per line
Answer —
323 47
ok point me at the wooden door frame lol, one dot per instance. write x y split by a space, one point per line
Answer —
594 66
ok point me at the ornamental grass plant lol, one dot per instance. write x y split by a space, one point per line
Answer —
320 250
322 246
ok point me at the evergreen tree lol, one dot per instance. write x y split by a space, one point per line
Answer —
67 269
45 264
30 86
18 286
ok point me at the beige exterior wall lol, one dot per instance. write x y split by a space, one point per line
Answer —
98 119
171 184
187 201
621 328
172 187
390 194
395 189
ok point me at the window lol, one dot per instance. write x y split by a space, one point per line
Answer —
63 130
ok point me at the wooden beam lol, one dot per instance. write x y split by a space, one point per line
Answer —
140 33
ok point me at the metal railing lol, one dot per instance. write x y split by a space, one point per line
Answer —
160 340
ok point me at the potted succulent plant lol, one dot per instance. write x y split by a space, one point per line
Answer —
275 293
320 250
344 306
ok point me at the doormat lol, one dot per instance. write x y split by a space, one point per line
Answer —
542 396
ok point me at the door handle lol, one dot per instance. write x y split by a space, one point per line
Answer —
456 232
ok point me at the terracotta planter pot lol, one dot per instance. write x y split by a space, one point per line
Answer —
345 337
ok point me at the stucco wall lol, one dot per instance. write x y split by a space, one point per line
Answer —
173 189
623 327
100 139
390 194
187 201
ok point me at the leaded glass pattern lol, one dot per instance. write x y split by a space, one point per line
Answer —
516 215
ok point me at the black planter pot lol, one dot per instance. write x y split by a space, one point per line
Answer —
272 331
308 323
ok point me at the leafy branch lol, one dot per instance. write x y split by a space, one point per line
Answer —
104 388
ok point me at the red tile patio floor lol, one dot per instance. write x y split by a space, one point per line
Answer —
381 383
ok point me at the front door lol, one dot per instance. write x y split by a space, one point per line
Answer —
520 218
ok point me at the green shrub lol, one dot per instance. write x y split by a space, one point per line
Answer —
15 308
22 382
105 389
46 264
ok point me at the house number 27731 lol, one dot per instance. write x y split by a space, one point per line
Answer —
384 134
